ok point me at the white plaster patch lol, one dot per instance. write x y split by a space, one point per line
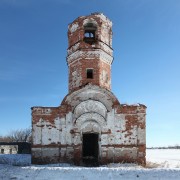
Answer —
49 133
119 121
104 139
74 27
141 117
123 124
46 133
36 134
63 121
63 135
111 139
110 120
141 136
104 18
77 139
104 78
69 127
68 138
57 122
90 126
69 119
76 79
105 35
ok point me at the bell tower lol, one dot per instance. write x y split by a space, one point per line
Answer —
90 53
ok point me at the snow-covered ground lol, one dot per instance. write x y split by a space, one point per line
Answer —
163 164
163 158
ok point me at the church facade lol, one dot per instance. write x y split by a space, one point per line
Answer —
90 126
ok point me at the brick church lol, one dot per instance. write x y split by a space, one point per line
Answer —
90 126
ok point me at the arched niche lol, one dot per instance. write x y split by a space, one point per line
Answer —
90 106
90 118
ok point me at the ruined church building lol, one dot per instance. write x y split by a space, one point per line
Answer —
90 127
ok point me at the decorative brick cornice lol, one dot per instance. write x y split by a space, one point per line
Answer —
91 54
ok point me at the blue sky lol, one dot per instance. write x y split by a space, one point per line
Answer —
146 43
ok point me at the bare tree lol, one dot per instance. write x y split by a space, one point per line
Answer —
20 135
4 139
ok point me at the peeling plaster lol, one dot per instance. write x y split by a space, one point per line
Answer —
73 27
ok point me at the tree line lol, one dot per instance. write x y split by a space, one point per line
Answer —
19 135
167 147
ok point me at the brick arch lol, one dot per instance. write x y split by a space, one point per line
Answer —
90 20
91 92
90 106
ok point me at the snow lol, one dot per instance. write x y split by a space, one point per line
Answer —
15 159
164 158
164 164
76 173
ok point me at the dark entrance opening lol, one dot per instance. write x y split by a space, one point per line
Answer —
90 149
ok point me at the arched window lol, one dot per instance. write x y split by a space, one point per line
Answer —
90 32
89 35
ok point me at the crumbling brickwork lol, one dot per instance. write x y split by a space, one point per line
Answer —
90 125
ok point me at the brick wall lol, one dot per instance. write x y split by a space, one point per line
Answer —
57 132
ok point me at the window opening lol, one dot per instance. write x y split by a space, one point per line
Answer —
89 73
10 151
2 151
89 32
89 35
